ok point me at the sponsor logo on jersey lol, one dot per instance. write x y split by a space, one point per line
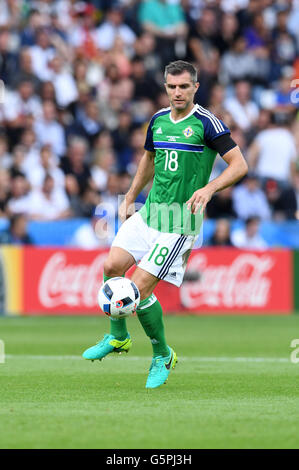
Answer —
159 131
172 138
188 132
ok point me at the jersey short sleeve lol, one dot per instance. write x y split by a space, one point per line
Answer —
213 127
149 143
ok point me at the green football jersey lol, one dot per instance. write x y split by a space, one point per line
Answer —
183 164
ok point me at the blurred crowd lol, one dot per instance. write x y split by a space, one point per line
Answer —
81 80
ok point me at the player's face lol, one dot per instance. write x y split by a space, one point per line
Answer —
180 90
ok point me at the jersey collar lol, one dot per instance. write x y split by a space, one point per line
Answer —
185 117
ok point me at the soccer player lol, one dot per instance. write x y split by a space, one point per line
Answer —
181 145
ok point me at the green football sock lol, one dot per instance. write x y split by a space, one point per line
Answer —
118 328
151 319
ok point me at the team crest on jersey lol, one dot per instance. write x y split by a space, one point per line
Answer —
188 132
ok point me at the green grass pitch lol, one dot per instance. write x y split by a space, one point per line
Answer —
234 385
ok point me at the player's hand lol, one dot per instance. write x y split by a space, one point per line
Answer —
200 199
126 209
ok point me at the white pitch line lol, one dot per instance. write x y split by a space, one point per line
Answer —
138 358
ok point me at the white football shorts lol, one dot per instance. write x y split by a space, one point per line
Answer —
164 255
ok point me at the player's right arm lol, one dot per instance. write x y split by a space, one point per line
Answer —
144 174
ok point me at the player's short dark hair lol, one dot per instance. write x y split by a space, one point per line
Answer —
180 66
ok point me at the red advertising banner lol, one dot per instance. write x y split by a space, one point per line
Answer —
220 280
62 281
237 281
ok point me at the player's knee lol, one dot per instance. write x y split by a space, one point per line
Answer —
112 268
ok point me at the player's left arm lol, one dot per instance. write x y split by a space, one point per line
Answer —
236 169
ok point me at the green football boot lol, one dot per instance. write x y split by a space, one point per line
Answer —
160 369
107 345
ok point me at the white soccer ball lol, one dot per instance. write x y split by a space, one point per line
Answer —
119 297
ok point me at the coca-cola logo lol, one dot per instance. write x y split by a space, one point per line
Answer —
243 283
73 285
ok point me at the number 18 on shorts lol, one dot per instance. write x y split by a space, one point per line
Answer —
164 255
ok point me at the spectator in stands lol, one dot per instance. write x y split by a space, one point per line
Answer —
121 135
104 162
221 235
4 191
18 164
239 137
145 86
283 94
282 201
285 48
246 11
142 110
5 156
89 125
31 148
93 234
201 49
273 153
115 93
76 170
226 33
48 202
47 92
25 71
146 48
19 195
8 59
104 142
111 77
64 83
18 105
166 21
34 23
112 27
216 100
81 71
84 204
262 123
221 205
257 34
57 28
83 35
249 199
258 39
110 196
249 237
16 233
118 55
237 63
130 161
125 180
202 36
41 54
47 165
279 98
244 111
49 131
